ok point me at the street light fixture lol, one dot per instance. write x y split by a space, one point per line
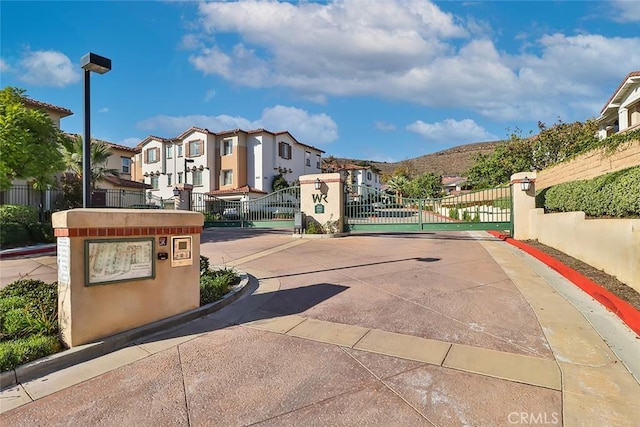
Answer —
318 184
185 168
98 64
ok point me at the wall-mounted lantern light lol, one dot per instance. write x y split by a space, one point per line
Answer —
525 184
176 191
318 184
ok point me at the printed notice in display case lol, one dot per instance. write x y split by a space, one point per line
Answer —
181 251
117 260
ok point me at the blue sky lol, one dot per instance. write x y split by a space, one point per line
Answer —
384 80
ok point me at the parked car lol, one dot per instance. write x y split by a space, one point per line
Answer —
231 213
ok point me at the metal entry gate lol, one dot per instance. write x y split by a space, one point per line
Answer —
273 210
368 209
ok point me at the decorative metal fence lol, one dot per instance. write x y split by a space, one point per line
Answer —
273 210
367 210
54 199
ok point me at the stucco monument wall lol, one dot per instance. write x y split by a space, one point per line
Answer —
123 268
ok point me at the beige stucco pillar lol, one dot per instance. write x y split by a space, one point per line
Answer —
323 205
123 268
523 203
183 201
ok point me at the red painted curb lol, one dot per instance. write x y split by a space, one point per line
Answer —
625 311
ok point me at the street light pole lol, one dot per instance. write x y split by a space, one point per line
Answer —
98 64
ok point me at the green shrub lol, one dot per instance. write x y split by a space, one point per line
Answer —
204 265
24 215
41 232
40 298
466 216
20 351
214 284
453 213
13 233
616 194
314 227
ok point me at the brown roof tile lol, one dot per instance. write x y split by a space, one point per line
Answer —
64 112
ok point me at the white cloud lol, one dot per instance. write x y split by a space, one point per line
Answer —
48 68
411 51
313 129
625 10
130 142
103 110
174 125
451 131
318 128
384 126
209 95
4 67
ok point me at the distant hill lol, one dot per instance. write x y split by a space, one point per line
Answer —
452 161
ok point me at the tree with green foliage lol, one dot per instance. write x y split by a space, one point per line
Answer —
100 153
428 185
399 184
279 183
29 141
561 141
490 170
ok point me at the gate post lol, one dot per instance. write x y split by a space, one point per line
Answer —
523 202
322 200
183 200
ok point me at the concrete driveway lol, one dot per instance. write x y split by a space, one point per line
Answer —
439 329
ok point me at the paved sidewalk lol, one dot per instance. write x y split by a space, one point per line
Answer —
396 330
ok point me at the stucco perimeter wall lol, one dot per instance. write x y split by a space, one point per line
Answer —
590 165
89 312
611 245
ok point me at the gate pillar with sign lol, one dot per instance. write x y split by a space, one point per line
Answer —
322 200
119 269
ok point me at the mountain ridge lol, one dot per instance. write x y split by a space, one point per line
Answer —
451 161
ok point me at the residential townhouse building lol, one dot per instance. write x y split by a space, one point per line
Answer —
361 180
234 164
621 113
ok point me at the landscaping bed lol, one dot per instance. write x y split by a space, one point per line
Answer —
29 314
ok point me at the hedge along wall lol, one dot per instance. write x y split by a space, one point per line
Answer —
590 165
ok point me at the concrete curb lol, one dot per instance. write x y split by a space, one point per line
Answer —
18 252
58 361
625 311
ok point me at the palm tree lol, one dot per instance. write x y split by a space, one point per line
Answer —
100 153
399 184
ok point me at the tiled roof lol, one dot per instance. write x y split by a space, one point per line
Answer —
631 74
452 180
242 190
224 132
110 144
64 112
193 129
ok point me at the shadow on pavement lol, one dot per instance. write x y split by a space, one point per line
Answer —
282 303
